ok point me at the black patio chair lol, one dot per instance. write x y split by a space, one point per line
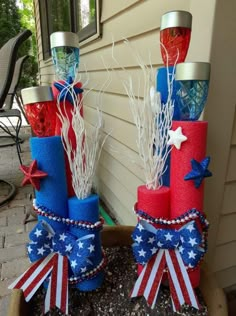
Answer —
12 130
8 57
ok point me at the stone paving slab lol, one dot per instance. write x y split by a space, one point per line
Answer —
12 253
4 289
3 221
4 303
17 218
7 211
14 268
13 233
11 240
1 242
12 230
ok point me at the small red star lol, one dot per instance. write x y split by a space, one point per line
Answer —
32 175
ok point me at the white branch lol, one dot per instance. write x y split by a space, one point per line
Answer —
84 158
152 119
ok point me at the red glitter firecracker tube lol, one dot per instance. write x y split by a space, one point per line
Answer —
184 195
69 108
155 203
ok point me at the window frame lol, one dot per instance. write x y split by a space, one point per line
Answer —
89 33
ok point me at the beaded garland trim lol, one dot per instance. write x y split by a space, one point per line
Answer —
44 211
184 218
90 274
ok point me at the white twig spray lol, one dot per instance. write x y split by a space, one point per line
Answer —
84 158
153 121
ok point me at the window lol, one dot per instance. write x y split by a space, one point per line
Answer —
79 16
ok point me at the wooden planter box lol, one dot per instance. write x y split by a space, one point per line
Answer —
121 236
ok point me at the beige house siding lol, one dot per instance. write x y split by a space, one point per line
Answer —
119 173
225 254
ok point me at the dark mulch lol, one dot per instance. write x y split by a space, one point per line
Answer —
231 299
113 297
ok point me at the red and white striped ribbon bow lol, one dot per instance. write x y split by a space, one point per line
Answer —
57 292
149 280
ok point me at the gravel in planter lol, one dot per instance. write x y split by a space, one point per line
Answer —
113 297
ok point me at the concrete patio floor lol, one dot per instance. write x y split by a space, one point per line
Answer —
13 233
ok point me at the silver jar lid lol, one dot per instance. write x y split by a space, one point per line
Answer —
193 71
59 39
176 19
37 94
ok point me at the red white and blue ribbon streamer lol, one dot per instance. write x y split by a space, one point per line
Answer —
166 250
52 253
31 280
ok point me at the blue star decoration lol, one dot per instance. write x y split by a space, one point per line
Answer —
199 171
67 90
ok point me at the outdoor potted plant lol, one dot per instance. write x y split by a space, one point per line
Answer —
113 236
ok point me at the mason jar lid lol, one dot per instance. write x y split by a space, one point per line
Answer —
37 94
69 39
176 19
193 71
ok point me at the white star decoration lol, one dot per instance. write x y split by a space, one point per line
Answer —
168 236
38 232
192 241
29 249
83 270
140 227
190 227
138 239
142 253
80 244
91 248
176 137
62 237
41 251
159 244
73 263
181 249
151 240
154 250
68 248
49 236
191 254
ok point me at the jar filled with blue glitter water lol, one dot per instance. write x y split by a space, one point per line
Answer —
192 82
65 54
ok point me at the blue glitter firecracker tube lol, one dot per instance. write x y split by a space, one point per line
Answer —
48 151
87 210
162 87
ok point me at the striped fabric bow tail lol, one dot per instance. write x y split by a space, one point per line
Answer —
149 280
32 279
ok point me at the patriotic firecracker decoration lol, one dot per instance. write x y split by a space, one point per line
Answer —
65 55
65 245
175 34
170 238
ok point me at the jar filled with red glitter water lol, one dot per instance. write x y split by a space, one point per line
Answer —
40 109
175 33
